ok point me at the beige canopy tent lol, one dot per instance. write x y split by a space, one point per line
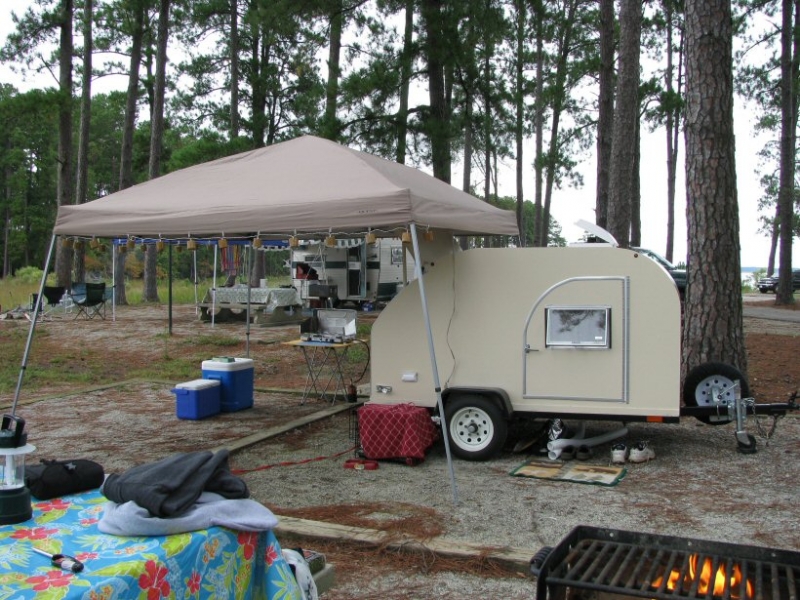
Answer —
309 186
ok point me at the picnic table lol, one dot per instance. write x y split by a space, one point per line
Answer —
267 305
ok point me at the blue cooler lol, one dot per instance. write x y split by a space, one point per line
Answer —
236 380
197 399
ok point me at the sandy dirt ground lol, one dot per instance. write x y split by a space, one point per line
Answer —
698 485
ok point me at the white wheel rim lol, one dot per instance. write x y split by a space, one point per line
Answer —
715 390
471 428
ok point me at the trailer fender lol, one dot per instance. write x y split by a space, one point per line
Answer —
498 395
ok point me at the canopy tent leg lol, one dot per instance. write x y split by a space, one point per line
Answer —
32 328
214 288
248 265
194 277
432 352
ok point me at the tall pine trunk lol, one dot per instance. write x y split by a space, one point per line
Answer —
129 127
605 110
81 191
626 119
784 293
64 169
712 330
157 142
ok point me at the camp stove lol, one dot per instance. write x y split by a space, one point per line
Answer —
606 564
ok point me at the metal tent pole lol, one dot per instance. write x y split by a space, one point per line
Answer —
169 289
32 328
114 251
214 288
248 265
432 352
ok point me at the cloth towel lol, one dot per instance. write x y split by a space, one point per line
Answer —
169 487
211 509
302 573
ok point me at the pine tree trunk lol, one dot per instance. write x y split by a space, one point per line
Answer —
157 142
81 191
405 82
129 127
64 183
784 294
234 50
438 125
712 330
626 118
605 110
330 127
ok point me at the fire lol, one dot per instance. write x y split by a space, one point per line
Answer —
708 581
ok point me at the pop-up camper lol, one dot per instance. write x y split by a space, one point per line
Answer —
351 271
590 332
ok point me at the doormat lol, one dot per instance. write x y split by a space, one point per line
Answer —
576 473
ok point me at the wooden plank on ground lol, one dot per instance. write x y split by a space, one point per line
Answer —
517 559
279 429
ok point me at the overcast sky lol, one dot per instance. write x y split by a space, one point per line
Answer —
569 205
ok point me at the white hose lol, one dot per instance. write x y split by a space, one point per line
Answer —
557 446
562 443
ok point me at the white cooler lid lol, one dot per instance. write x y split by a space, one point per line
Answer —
239 364
198 384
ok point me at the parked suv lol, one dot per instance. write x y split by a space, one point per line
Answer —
678 275
770 284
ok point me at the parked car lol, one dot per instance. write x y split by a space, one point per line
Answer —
770 284
678 275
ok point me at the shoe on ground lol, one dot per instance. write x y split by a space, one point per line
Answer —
641 452
583 453
619 453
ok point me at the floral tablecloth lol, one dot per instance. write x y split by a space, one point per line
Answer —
212 563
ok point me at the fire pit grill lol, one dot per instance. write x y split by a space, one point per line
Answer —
612 563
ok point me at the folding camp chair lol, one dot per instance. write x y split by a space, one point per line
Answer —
90 298
52 295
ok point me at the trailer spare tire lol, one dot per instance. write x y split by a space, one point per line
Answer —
712 384
476 427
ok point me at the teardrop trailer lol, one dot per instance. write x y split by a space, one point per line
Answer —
584 333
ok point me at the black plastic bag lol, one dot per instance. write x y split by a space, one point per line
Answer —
55 478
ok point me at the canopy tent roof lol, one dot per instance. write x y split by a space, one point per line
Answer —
305 185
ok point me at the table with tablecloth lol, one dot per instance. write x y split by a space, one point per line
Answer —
232 302
210 563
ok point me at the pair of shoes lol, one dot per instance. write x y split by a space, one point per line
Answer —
641 452
619 453
583 453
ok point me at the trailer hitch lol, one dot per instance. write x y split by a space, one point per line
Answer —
746 443
738 409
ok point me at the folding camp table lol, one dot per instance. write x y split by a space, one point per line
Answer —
324 364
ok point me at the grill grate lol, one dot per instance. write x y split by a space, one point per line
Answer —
650 566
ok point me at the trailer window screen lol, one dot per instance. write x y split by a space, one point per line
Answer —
577 326
397 256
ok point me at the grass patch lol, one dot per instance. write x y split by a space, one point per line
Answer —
171 369
215 340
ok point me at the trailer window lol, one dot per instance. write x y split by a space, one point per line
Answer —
397 255
578 326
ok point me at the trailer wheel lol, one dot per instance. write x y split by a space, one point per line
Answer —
711 381
476 427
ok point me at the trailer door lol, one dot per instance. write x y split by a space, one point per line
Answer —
576 342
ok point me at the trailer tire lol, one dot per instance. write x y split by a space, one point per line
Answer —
476 427
709 378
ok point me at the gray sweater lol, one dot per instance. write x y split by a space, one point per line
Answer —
169 487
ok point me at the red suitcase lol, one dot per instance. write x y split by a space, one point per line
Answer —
401 431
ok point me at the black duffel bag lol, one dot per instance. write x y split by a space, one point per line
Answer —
55 478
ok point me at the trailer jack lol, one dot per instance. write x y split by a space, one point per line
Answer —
737 410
